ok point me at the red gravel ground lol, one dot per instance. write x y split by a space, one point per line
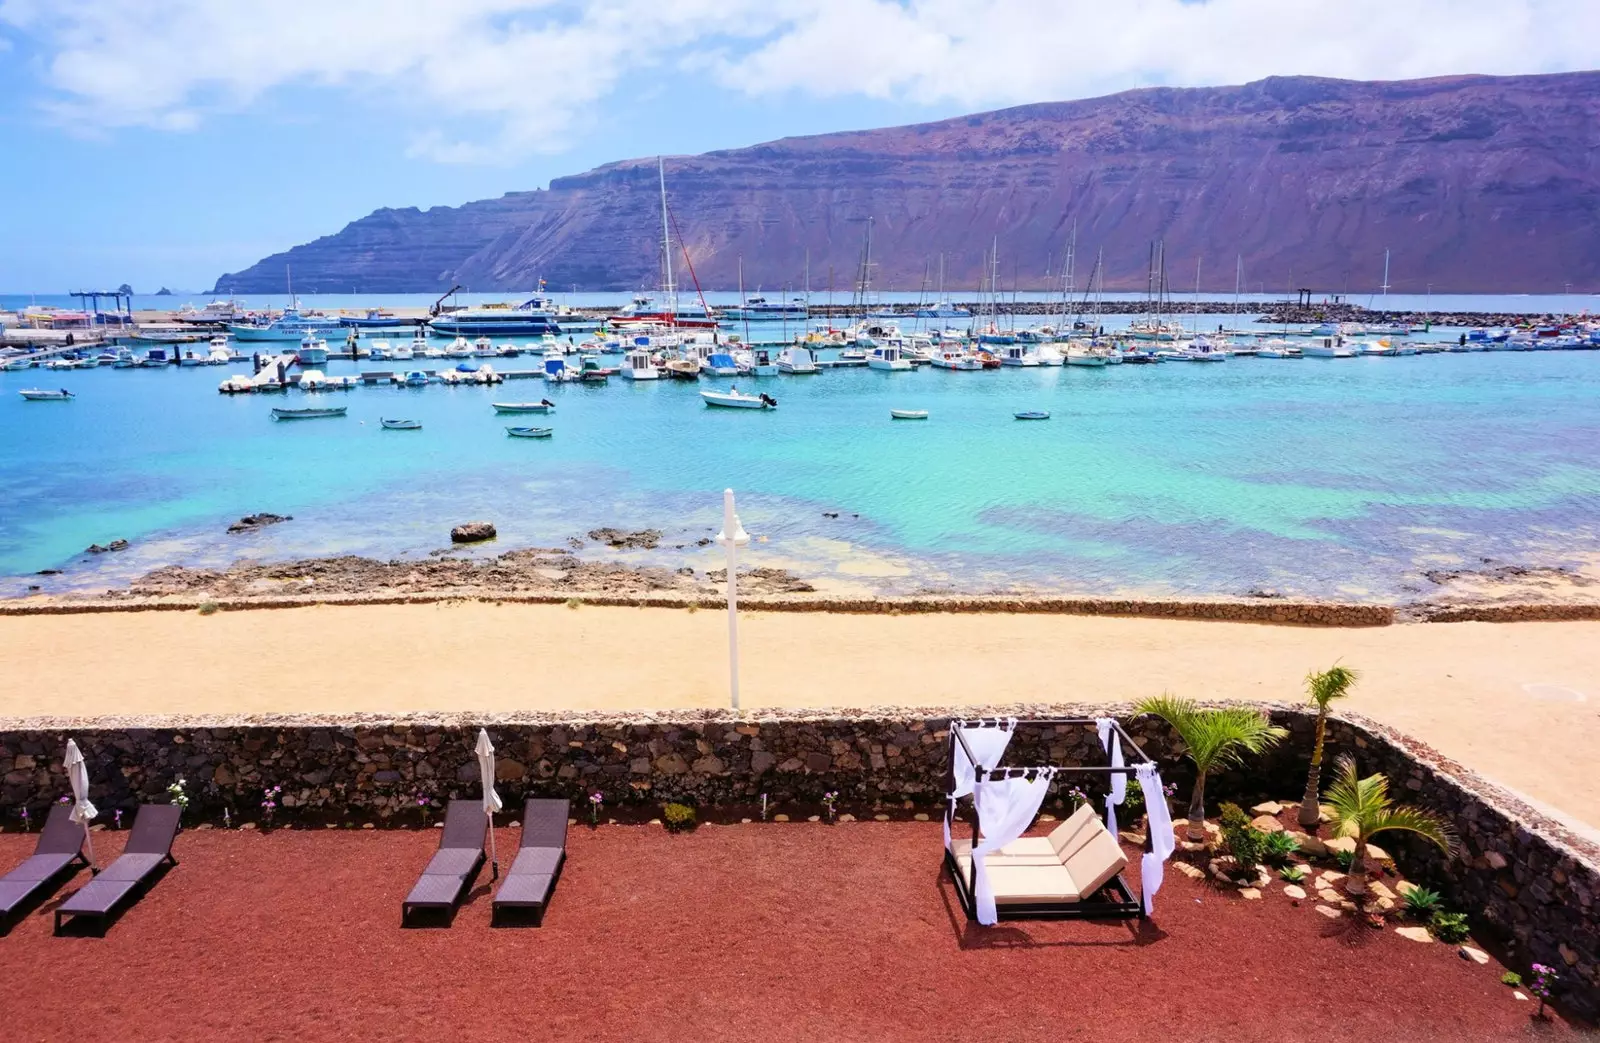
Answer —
770 932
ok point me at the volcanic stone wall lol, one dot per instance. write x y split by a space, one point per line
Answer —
1528 882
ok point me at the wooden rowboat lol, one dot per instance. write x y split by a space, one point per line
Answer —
525 407
308 414
530 432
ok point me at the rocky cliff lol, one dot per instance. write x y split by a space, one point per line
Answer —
1474 183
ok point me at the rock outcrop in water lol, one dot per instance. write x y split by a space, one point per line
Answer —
1476 183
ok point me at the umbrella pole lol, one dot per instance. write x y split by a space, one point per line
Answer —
88 838
494 857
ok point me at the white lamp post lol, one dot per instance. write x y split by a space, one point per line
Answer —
732 537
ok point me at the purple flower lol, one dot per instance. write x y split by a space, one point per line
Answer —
64 800
596 798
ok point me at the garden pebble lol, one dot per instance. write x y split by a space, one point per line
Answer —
1415 934
1477 956
1332 914
1294 891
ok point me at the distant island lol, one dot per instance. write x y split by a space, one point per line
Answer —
163 292
1474 183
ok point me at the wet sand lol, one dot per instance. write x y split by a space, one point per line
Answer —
1516 702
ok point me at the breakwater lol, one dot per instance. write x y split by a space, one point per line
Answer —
1532 884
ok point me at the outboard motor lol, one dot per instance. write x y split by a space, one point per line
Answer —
769 400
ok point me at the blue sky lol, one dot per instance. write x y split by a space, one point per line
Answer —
167 141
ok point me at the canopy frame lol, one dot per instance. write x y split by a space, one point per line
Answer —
1113 900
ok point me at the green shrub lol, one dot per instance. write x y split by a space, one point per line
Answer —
209 607
679 818
574 603
1278 848
1449 927
1511 978
1344 858
1243 841
1422 903
1294 874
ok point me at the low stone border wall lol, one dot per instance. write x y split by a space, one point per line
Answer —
1527 881
1267 610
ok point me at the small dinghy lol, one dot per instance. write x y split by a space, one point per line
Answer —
401 425
38 395
545 406
530 432
732 399
308 414
1032 414
908 414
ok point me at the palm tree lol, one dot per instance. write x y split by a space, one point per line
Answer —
1361 809
1332 683
1216 738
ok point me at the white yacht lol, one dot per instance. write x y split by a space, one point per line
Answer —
797 360
1018 355
887 356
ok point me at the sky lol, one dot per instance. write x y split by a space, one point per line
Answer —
164 142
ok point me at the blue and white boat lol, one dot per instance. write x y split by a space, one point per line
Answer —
533 317
291 325
942 310
416 378
375 318
720 364
757 309
313 351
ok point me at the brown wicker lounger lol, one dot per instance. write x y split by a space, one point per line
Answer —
454 865
56 856
527 888
149 849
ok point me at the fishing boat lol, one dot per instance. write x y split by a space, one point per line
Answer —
308 414
530 432
483 348
291 325
757 363
38 395
638 365
125 360
1327 348
886 357
1018 355
908 414
544 406
1032 414
733 399
401 425
590 371
313 351
797 361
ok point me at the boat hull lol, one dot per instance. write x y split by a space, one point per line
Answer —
308 414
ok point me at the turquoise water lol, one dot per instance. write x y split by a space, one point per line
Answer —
1312 476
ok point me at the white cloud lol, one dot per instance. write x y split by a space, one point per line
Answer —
483 80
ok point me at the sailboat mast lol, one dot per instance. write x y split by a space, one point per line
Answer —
744 307
666 241
1386 278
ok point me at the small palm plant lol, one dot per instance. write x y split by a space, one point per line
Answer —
1332 683
1361 809
1216 738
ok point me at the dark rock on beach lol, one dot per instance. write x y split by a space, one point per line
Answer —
644 539
252 522
472 532
95 548
765 581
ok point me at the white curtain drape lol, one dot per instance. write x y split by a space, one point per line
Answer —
1005 811
988 745
1119 782
1152 865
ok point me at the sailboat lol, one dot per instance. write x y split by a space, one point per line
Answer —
643 311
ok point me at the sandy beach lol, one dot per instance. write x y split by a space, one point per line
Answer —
1515 702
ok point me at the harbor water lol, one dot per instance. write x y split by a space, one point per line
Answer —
1319 477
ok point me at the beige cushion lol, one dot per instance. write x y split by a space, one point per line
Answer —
1015 884
1063 836
1027 851
1097 860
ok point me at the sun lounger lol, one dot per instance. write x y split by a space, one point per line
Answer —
1073 872
526 890
56 855
451 870
149 849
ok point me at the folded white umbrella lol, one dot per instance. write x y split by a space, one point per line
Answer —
491 799
82 811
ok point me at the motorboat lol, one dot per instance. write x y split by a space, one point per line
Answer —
1050 355
1327 348
125 359
238 384
17 365
308 414
908 414
189 358
638 365
684 368
345 383
756 363
734 399
401 425
545 406
556 370
590 371
40 395
959 360
380 351
156 357
1032 414
797 361
483 348
720 364
313 380
460 348
530 432
887 357
1084 356
416 378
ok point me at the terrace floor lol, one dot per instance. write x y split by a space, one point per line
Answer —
783 931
